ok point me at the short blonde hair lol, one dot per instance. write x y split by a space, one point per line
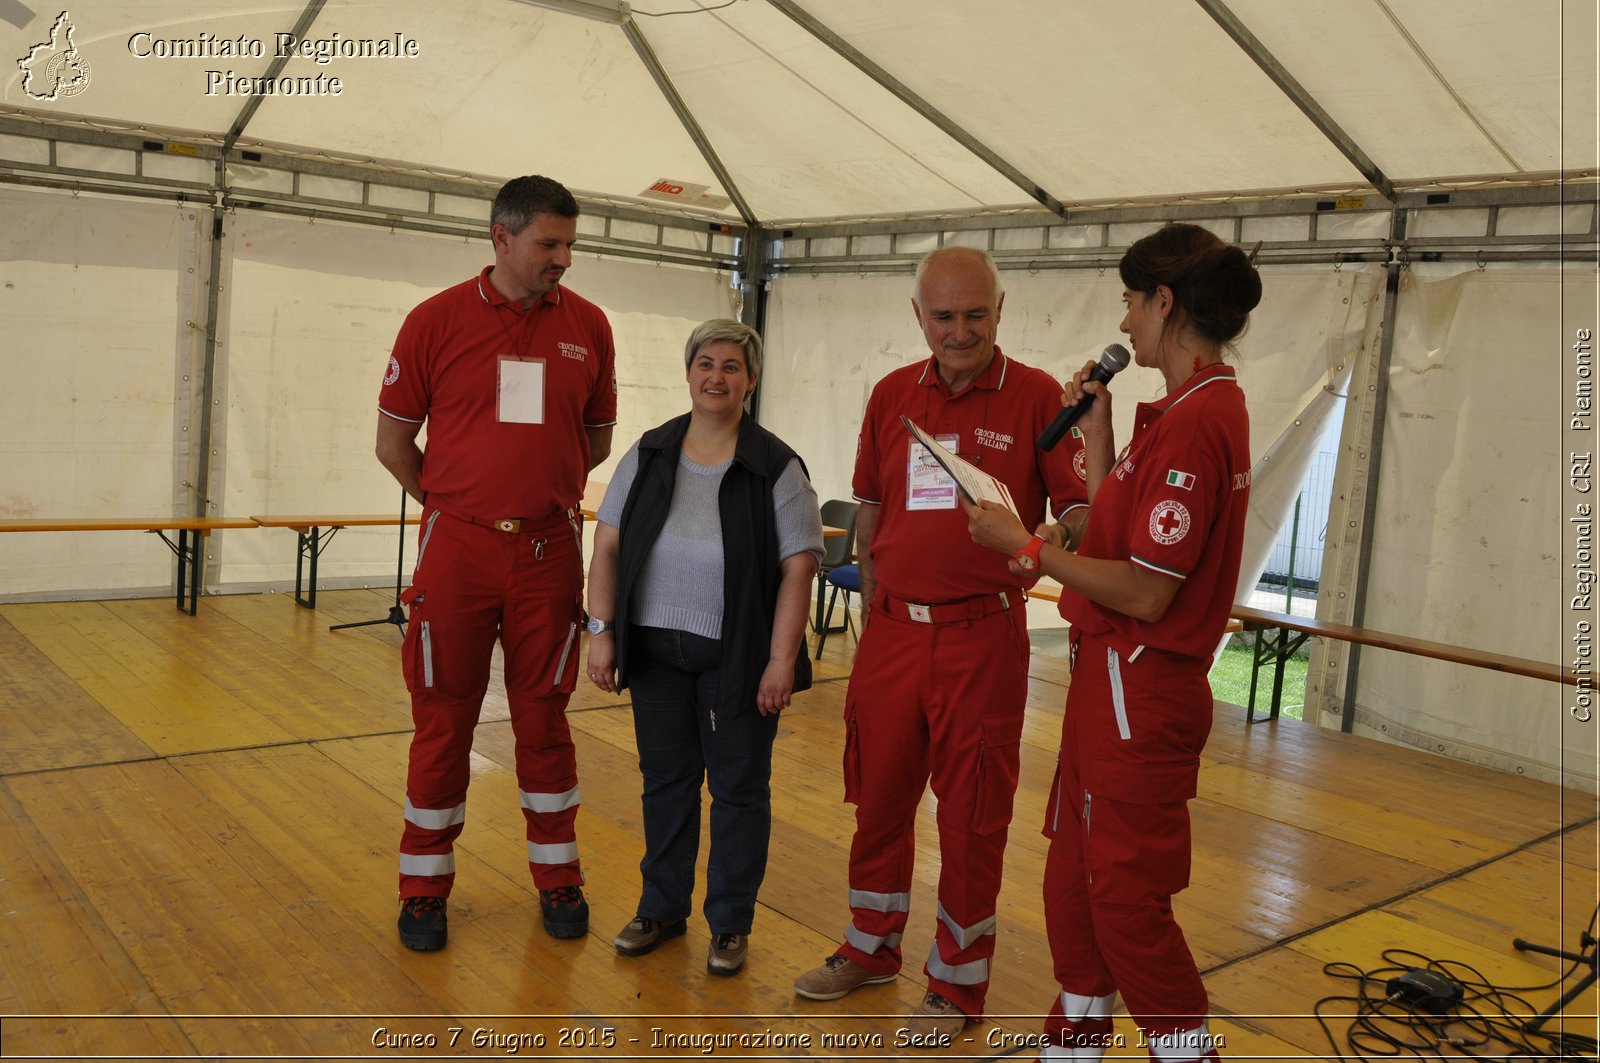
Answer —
726 330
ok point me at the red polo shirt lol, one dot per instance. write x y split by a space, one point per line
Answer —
928 555
1175 503
445 370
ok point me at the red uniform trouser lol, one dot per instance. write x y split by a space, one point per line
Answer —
940 700
474 584
1118 824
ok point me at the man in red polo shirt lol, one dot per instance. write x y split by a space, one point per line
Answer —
515 377
941 673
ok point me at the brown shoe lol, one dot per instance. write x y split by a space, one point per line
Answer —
642 935
836 977
935 1023
727 953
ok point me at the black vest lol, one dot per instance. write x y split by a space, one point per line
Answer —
752 569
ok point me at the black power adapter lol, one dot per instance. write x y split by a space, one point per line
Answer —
1425 990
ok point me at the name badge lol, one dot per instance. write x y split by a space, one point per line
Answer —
928 486
520 399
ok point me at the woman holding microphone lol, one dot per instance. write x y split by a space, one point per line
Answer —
1148 594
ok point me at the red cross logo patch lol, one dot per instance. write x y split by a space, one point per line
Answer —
1169 522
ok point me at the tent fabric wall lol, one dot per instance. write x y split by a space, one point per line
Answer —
313 314
834 337
104 363
1466 549
101 382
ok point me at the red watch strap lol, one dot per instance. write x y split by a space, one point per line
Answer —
1030 550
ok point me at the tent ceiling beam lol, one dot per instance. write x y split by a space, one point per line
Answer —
1107 260
1557 189
1444 83
1296 92
927 110
1089 217
1359 232
606 246
264 180
274 69
597 12
647 56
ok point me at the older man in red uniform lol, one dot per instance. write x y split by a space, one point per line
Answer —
941 673
515 377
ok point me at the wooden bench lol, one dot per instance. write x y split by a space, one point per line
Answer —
1281 634
1291 633
311 541
1050 594
191 530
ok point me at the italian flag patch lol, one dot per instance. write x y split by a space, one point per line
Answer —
1184 480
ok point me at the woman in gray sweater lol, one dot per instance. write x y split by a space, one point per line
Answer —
704 553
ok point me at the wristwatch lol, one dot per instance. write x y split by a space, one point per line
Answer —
596 626
1028 556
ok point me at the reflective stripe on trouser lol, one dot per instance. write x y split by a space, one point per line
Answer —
1183 1046
1080 1026
939 702
475 585
1113 866
892 905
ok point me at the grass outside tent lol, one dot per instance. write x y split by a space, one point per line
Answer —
1230 678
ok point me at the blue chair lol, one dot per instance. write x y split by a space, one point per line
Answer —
836 550
846 578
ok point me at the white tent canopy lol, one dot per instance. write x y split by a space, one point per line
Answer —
836 109
213 223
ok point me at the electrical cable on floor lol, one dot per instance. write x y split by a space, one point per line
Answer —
1428 1007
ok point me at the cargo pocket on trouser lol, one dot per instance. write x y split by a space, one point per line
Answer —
416 652
1052 808
852 754
995 786
565 680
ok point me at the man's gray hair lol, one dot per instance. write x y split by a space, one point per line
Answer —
725 330
957 251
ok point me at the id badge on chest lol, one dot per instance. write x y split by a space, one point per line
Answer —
520 396
928 486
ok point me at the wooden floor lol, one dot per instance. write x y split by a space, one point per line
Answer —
199 817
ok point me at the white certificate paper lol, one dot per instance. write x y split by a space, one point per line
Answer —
976 484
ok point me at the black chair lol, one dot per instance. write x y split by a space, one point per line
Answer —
846 578
836 551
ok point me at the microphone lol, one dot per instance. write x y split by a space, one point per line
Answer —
1113 360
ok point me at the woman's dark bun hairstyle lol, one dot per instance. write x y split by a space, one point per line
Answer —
1213 282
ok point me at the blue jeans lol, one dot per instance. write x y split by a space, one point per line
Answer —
674 677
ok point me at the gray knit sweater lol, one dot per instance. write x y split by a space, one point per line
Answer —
681 584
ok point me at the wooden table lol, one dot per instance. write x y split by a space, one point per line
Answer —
187 549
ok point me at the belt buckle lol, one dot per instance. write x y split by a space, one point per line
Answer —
922 614
507 525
